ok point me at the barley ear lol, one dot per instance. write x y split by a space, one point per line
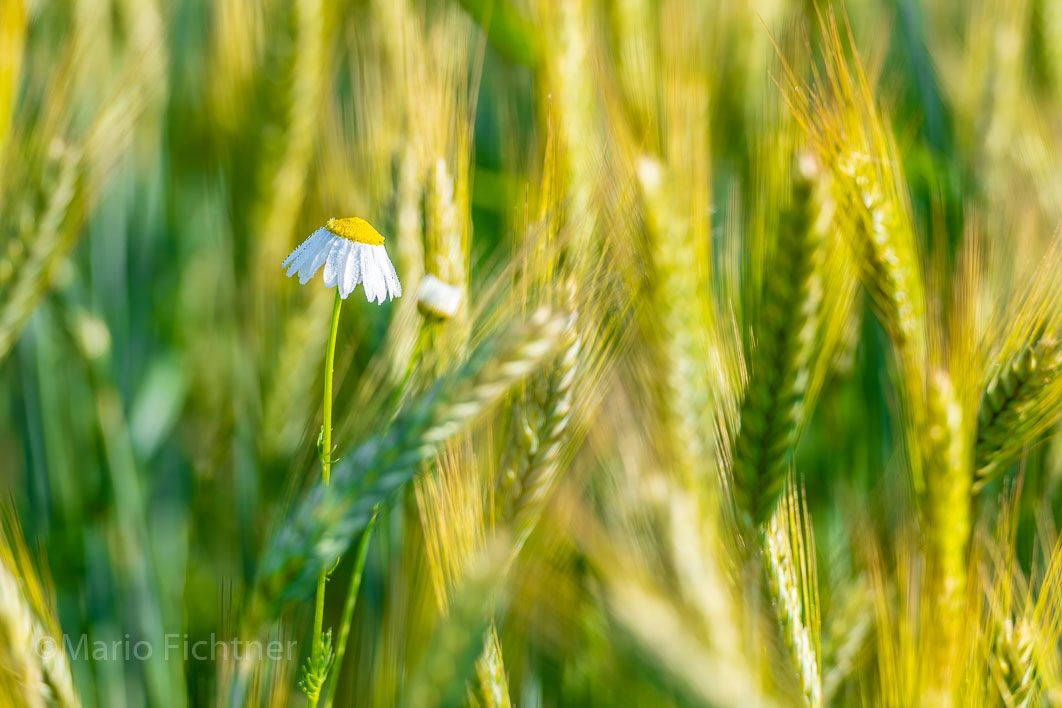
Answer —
36 669
789 562
541 469
492 683
1012 665
779 368
1015 402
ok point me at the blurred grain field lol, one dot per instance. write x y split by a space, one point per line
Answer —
727 369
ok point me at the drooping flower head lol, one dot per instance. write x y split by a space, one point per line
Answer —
352 252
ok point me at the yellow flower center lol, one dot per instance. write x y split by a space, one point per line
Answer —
355 229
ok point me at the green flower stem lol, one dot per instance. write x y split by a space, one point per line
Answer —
330 359
348 609
326 468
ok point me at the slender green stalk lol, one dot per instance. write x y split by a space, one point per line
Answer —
318 610
330 359
319 662
348 609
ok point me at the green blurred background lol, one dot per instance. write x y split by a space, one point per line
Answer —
160 378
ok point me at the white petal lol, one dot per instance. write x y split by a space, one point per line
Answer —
371 280
380 270
394 287
381 267
298 250
337 260
364 267
352 274
345 268
374 292
295 257
359 266
312 262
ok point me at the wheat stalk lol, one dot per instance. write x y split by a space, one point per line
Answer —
532 483
843 121
678 253
283 180
779 371
1011 406
789 562
1013 665
493 683
401 340
890 253
568 73
36 670
445 257
947 509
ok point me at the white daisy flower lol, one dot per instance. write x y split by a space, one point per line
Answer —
438 298
352 252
